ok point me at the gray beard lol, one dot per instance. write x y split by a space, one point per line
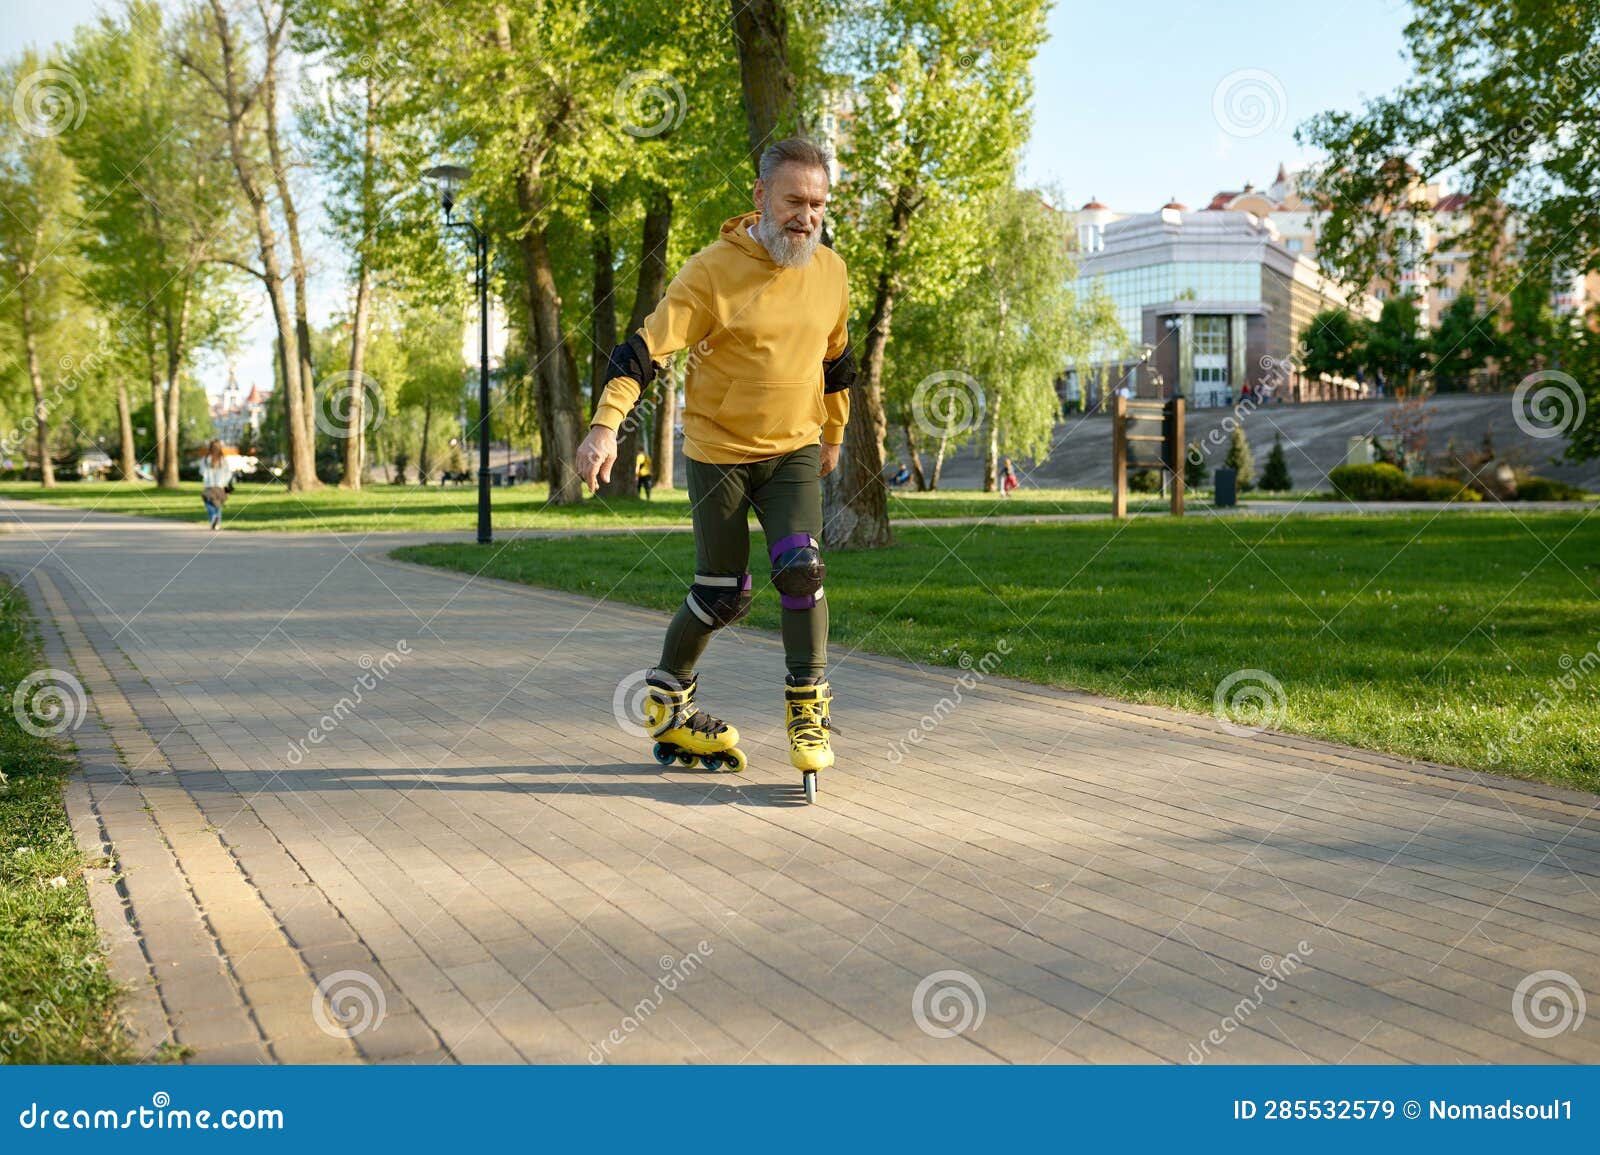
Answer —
782 247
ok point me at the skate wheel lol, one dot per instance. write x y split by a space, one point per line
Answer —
734 760
664 754
810 777
685 758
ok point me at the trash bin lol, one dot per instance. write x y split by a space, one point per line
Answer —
1226 494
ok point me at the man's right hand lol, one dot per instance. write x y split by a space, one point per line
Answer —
596 456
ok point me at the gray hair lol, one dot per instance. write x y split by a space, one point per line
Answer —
793 150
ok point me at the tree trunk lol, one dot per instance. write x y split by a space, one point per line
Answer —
991 449
41 414
761 34
665 437
652 286
177 340
291 222
158 404
355 423
556 367
302 460
855 512
355 430
938 463
128 457
424 460
604 314
916 457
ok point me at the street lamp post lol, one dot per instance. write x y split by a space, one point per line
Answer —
448 178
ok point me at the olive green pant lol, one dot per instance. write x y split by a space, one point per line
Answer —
786 493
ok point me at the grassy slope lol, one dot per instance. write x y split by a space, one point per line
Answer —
1423 636
57 1002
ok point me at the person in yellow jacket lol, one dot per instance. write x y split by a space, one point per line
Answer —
763 311
643 474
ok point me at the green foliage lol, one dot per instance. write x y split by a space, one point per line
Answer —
1381 481
1503 95
1275 477
1195 469
1240 459
1378 481
1396 345
1145 481
1461 343
1547 489
1440 489
1334 342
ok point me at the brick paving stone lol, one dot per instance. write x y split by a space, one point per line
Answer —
509 870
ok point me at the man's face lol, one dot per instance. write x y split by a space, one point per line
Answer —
792 204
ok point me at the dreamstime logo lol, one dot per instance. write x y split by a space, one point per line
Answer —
677 972
650 102
948 1003
340 391
1562 686
1249 700
49 702
1249 102
947 705
1275 972
346 1003
1548 1003
627 704
376 672
1548 403
947 404
48 102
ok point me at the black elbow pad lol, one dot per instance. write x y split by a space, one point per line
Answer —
840 373
632 359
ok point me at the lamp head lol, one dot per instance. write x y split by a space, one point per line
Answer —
447 178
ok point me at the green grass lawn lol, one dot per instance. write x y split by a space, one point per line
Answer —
394 507
57 1003
1426 636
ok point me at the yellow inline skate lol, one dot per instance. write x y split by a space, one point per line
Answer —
809 726
684 733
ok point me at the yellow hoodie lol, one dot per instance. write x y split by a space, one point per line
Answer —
758 335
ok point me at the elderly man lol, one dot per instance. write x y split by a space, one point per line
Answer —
764 311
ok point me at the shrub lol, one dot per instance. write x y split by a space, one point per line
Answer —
1240 459
1547 489
1377 482
1275 477
1440 489
1145 481
1194 466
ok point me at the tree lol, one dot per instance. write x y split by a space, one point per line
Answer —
1505 96
1396 345
1461 343
1275 477
940 113
247 99
365 148
1333 343
1240 459
154 244
37 300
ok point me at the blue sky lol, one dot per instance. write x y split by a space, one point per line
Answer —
1133 101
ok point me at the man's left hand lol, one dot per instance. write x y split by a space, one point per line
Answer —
830 458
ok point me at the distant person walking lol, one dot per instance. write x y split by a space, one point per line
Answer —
647 480
216 475
1008 477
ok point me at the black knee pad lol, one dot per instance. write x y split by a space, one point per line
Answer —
797 571
719 600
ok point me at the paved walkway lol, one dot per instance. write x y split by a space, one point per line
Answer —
361 810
